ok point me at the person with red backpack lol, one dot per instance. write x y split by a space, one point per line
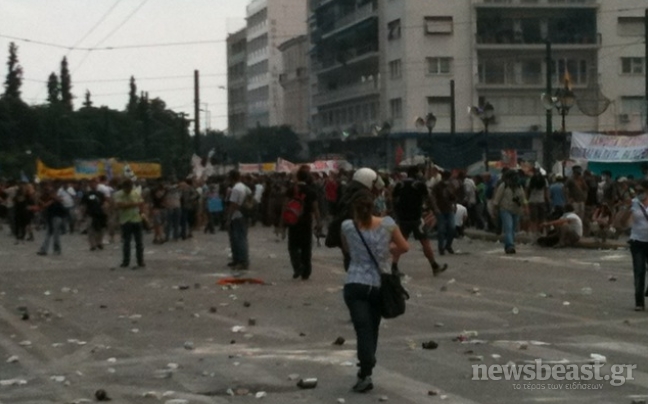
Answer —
300 208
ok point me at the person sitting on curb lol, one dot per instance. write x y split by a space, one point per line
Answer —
568 230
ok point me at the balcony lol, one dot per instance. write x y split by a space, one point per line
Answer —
346 58
343 22
535 3
358 90
515 41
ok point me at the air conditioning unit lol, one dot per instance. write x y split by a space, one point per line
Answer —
624 118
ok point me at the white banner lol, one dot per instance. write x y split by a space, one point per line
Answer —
607 148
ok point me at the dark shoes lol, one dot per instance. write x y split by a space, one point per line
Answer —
640 308
363 385
510 250
437 269
450 250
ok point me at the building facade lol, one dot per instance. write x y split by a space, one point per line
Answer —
382 63
269 23
294 81
237 83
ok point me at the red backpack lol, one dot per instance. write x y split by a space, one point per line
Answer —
294 208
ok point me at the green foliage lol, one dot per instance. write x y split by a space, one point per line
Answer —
87 103
53 89
13 82
66 86
132 96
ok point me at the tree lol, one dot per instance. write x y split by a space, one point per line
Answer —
66 86
132 97
88 102
53 90
14 75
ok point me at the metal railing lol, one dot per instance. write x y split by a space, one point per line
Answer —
369 87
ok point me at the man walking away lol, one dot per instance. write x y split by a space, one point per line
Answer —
237 222
409 196
444 198
93 202
300 238
54 216
128 205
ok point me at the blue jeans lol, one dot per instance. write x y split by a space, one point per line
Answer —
509 226
639 251
132 230
445 230
363 302
54 226
173 223
239 241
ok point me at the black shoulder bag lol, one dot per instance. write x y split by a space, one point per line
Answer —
392 293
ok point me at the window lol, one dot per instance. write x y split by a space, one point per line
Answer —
438 25
493 71
394 29
633 65
531 72
630 26
396 106
577 70
395 69
633 105
439 65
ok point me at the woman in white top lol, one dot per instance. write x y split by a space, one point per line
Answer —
361 289
637 215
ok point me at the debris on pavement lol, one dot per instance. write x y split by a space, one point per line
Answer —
260 394
382 399
566 303
515 310
252 322
339 341
101 395
429 345
586 291
238 329
293 376
57 379
597 358
13 359
612 278
188 345
309 383
13 382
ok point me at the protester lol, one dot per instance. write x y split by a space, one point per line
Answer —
93 201
189 202
215 209
636 213
237 223
128 205
158 213
511 203
54 215
568 230
461 217
537 192
362 285
23 207
409 197
444 196
300 238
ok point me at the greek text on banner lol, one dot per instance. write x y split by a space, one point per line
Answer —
606 148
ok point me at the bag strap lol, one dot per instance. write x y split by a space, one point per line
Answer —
643 209
367 247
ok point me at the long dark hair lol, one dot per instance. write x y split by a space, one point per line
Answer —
537 181
362 207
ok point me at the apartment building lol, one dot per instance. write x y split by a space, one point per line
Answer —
398 57
294 81
237 83
269 23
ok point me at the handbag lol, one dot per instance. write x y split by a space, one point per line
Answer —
392 293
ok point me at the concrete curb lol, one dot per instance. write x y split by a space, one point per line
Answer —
585 243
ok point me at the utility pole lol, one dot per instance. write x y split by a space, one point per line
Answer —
646 64
197 112
453 110
545 148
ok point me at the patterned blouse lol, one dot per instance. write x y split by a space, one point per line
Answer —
362 268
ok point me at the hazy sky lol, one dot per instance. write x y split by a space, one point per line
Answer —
136 29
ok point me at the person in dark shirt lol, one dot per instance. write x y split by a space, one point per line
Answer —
55 213
409 197
444 198
93 201
300 238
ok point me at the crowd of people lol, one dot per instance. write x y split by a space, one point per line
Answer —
368 215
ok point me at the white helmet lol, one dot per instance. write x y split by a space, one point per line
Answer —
369 178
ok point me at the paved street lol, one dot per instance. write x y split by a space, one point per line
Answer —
171 330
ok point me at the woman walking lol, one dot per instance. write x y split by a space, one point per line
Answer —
637 215
362 285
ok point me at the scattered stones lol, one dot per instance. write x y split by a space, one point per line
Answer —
433 393
247 304
310 383
13 382
101 395
25 343
612 278
566 303
293 377
112 360
260 394
57 379
429 345
188 345
515 310
213 309
151 394
13 359
301 334
476 358
496 356
252 322
439 325
339 341
586 291
382 399
523 347
341 401
183 287
238 329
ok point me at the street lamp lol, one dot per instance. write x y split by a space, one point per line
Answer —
487 115
429 122
563 100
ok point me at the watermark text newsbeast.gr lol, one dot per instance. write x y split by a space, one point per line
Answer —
538 371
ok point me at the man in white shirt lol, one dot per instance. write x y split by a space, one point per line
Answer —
461 215
67 195
237 223
569 227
